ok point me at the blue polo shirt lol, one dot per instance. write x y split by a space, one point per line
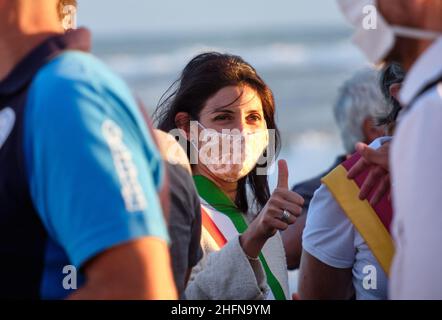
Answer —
91 168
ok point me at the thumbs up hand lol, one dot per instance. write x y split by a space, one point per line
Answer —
280 211
283 206
283 175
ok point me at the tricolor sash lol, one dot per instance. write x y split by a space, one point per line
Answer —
373 223
222 220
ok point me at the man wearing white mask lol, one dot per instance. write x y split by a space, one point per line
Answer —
409 32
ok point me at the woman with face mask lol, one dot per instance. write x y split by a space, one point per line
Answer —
225 111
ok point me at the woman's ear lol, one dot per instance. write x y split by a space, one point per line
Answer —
394 90
182 121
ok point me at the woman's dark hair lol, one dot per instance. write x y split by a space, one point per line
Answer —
201 79
391 74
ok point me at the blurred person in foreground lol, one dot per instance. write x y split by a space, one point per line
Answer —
359 104
409 32
347 247
224 112
185 211
80 176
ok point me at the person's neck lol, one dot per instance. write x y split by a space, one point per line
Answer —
12 52
409 57
229 188
20 33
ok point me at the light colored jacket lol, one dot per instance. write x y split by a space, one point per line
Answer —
227 274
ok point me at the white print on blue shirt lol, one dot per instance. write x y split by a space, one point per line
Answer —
131 189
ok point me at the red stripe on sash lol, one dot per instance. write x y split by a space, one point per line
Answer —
213 230
383 209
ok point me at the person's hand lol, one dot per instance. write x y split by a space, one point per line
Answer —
271 218
378 179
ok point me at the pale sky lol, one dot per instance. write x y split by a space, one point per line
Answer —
142 16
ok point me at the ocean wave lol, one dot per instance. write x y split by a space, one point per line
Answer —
274 56
307 154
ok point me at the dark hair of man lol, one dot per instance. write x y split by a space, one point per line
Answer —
393 73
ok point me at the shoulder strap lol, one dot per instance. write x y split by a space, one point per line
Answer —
424 90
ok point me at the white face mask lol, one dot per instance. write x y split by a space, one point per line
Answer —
231 156
377 43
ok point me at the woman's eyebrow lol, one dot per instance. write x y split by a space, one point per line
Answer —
254 111
223 109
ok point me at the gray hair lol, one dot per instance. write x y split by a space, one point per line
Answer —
359 98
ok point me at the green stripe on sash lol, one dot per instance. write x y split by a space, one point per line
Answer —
222 203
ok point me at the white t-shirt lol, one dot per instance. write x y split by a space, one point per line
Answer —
331 237
416 162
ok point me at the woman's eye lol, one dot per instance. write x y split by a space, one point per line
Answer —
254 117
222 117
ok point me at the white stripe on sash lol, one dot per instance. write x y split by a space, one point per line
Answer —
224 224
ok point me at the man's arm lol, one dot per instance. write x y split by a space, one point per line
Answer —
318 280
139 269
292 239
328 250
